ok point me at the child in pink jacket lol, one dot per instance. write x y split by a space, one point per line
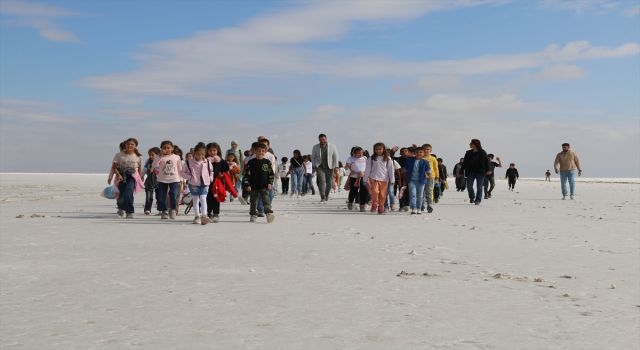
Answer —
199 175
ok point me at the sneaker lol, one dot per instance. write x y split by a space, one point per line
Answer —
429 209
260 215
414 212
381 210
210 216
204 220
392 208
374 209
215 218
270 217
362 208
486 197
571 197
164 215
564 197
147 212
350 206
172 214
121 213
129 215
252 218
197 220
471 200
419 212
476 202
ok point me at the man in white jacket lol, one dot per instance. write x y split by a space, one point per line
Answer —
324 157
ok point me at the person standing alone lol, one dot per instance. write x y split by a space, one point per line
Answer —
568 162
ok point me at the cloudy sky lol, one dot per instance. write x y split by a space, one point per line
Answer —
78 77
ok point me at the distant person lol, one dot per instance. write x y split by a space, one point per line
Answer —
512 175
489 179
258 179
458 173
283 174
547 176
237 152
442 170
568 162
476 165
324 158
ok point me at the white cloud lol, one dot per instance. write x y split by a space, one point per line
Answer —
271 47
28 111
40 17
586 6
632 11
560 72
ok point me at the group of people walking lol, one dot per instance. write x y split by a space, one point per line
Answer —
416 177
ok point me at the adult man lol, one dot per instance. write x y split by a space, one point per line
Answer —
568 162
324 157
489 179
458 173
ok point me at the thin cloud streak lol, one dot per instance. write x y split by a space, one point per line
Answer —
40 17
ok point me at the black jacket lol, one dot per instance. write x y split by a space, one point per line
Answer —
475 162
512 173
258 174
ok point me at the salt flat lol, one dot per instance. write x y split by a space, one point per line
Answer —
524 270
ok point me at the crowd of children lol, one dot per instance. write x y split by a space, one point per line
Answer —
415 180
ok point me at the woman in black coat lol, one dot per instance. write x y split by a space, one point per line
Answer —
475 165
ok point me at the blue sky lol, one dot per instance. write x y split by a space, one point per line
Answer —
523 76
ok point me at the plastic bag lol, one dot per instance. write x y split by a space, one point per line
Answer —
111 192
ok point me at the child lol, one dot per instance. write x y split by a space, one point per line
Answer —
378 176
247 156
283 173
234 172
167 168
199 174
112 173
357 165
417 173
125 165
434 177
512 175
258 178
307 181
389 203
219 166
151 181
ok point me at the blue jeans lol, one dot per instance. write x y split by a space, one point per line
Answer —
416 194
296 180
173 189
125 199
307 184
259 197
391 196
479 178
148 203
567 175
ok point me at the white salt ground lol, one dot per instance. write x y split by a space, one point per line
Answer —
524 270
